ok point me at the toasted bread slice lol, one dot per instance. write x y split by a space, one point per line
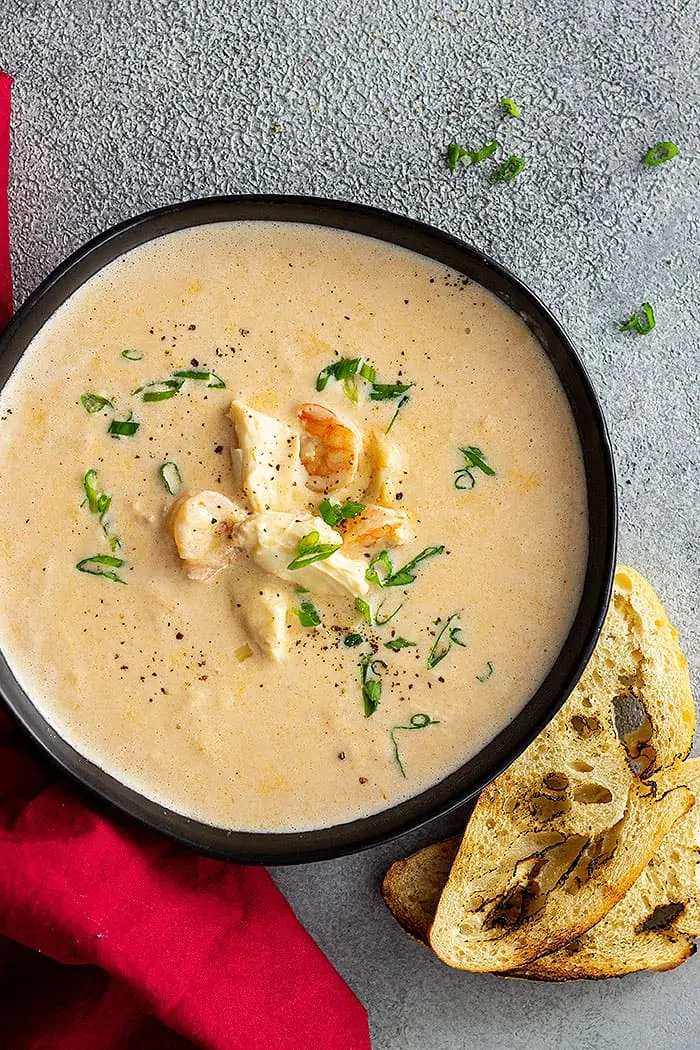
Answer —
652 927
557 840
649 929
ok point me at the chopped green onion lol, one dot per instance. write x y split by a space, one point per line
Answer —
455 152
351 640
510 107
363 607
381 621
643 325
343 368
443 644
132 355
473 460
388 391
370 678
400 405
95 566
171 477
401 577
210 378
160 395
95 403
90 487
399 643
350 390
333 513
310 550
417 721
123 427
368 372
168 384
489 672
484 153
660 153
508 170
308 614
99 503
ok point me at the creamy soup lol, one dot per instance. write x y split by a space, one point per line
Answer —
293 522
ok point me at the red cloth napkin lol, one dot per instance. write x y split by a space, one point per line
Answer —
113 938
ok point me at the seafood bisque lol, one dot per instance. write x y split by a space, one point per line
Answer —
293 522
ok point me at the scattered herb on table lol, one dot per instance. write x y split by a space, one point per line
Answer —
131 354
400 577
510 107
399 643
489 672
660 153
456 153
642 323
370 678
447 637
310 550
93 403
171 477
308 614
119 428
508 170
333 513
473 460
102 565
417 721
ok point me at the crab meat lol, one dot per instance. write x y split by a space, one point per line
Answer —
266 462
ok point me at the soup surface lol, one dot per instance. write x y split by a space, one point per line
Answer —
192 628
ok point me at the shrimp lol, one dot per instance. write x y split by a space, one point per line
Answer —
375 525
202 527
329 449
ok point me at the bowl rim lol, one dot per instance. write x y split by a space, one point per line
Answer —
467 781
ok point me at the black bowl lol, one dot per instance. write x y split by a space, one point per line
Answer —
282 848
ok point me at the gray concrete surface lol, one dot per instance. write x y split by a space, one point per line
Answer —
121 105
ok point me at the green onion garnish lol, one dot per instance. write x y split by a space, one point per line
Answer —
171 477
160 395
210 378
508 170
400 405
380 620
310 550
489 672
173 384
95 403
308 614
363 607
351 640
418 721
96 566
132 355
510 107
99 503
660 153
443 644
343 368
370 678
637 323
401 577
399 643
388 391
123 427
473 460
333 513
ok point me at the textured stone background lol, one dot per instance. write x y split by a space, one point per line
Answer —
121 105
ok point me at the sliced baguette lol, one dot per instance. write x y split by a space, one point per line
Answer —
651 928
557 840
